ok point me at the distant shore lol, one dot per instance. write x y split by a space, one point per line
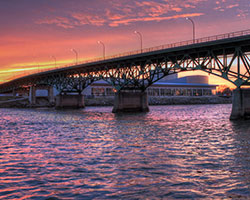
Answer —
172 100
23 102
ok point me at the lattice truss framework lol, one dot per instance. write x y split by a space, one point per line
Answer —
139 75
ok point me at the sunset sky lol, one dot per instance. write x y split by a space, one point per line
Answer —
33 31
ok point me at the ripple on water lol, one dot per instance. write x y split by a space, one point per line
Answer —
172 152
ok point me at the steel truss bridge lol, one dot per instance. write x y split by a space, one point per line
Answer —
226 56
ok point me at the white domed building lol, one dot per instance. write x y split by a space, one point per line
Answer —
196 85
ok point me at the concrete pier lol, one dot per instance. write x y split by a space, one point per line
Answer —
130 101
33 94
241 104
51 97
69 101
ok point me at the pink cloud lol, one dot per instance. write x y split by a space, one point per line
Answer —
242 13
223 5
155 9
59 21
113 16
83 19
233 5
117 13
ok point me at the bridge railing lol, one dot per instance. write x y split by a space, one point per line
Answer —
156 48
176 44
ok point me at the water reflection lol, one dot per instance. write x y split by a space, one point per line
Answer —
188 152
241 168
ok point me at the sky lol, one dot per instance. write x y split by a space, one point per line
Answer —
38 34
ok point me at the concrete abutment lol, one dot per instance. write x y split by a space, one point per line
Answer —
130 101
241 104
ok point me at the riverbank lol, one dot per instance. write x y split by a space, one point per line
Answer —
189 100
23 102
14 102
173 100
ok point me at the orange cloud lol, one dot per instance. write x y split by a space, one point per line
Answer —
147 19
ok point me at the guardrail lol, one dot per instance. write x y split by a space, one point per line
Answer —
182 43
156 48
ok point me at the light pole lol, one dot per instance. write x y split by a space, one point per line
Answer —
54 59
76 55
187 18
140 35
103 45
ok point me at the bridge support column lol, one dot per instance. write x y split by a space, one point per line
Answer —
130 101
51 95
241 104
69 101
32 95
14 93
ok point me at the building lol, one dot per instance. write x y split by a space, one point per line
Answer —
169 86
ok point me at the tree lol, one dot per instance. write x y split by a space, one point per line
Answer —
224 90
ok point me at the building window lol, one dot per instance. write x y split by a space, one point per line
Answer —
110 92
194 92
162 91
168 92
156 91
199 92
207 92
98 91
150 91
177 92
173 92
189 92
184 92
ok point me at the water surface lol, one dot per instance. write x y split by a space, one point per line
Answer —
172 152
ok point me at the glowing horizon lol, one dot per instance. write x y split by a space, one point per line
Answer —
41 29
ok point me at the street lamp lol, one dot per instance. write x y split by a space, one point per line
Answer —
187 18
73 50
54 59
103 45
140 35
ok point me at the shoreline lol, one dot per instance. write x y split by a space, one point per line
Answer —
109 101
174 100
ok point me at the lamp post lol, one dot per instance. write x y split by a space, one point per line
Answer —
140 35
187 18
103 47
54 60
73 50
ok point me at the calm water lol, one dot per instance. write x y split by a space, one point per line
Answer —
172 152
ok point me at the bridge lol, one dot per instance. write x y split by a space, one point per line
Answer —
131 73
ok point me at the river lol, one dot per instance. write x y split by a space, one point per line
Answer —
171 152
